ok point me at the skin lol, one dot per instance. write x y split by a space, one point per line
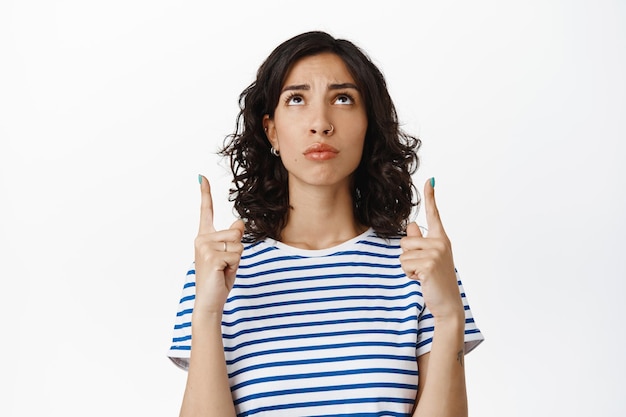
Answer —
207 392
319 92
442 390
319 190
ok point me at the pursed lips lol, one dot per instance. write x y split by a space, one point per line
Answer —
320 151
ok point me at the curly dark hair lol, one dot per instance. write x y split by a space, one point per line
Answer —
382 187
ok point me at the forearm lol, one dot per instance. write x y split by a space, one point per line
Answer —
207 393
443 393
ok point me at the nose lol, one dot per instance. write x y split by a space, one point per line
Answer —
326 129
321 124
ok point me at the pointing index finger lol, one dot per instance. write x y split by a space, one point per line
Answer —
206 207
435 227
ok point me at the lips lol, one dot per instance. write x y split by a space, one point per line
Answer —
320 151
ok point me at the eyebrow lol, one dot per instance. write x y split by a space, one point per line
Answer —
342 86
330 87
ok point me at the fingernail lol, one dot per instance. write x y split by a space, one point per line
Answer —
432 182
199 179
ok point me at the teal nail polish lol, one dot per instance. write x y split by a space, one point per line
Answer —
199 179
432 182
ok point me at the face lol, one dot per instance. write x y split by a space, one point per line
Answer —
320 122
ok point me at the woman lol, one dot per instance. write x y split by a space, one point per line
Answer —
314 303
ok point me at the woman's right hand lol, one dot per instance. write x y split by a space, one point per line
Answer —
217 256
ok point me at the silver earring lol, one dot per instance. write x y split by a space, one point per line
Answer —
275 151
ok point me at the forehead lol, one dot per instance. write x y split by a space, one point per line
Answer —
326 67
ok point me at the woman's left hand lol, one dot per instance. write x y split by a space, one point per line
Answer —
429 260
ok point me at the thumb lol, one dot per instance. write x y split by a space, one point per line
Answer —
238 225
412 229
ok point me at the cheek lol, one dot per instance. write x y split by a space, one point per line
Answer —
289 151
359 124
286 132
358 136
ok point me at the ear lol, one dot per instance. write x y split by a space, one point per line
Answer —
270 130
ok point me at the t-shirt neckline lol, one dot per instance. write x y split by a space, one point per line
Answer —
319 252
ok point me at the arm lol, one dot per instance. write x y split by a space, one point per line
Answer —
441 389
207 392
217 256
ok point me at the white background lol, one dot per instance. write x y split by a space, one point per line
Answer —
110 109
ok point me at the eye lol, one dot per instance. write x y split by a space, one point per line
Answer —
344 99
294 99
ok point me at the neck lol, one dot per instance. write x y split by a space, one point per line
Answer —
320 217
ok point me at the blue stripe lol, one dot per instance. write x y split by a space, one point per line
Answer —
378 245
191 272
318 323
180 347
425 330
182 325
320 266
425 317
253 245
327 402
320 360
316 335
424 342
183 312
321 277
432 329
326 388
181 339
378 414
324 375
189 284
363 253
430 339
326 311
322 300
318 348
271 260
321 288
187 298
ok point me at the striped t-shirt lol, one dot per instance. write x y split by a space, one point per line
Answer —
331 332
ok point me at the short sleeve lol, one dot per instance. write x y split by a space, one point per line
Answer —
426 327
180 347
